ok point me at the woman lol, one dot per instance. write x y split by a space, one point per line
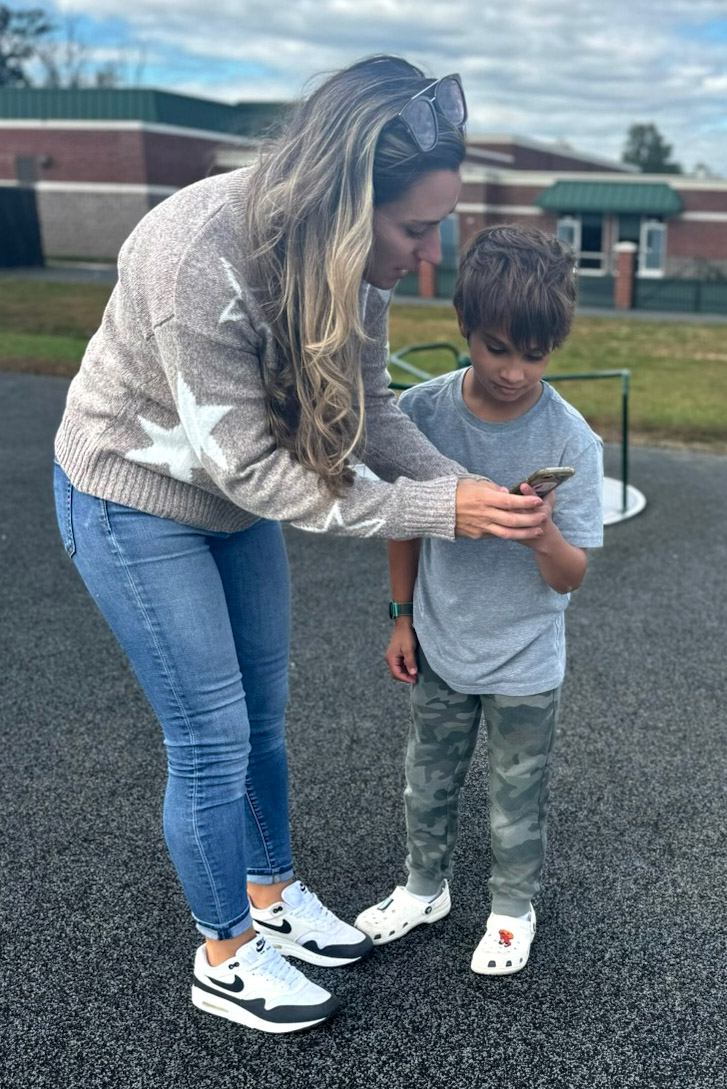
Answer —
239 368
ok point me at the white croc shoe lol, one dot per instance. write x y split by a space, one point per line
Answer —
401 912
505 947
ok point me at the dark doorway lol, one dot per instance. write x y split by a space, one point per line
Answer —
20 242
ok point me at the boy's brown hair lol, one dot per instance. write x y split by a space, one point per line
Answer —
520 282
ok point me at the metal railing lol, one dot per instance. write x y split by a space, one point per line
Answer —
463 360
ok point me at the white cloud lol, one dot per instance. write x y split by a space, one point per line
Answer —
569 69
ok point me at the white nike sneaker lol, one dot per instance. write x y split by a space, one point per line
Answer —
258 988
300 926
505 946
401 912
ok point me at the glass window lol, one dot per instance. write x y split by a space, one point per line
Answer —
569 231
652 248
585 234
449 234
591 241
629 228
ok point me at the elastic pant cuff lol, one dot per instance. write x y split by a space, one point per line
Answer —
423 885
507 905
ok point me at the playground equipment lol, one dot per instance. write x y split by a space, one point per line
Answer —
621 499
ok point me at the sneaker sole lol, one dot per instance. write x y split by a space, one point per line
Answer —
436 915
292 949
219 1006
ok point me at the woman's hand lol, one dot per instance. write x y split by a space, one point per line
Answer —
484 509
400 654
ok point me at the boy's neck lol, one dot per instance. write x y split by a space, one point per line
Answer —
486 408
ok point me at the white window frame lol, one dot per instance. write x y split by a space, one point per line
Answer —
573 224
570 223
648 225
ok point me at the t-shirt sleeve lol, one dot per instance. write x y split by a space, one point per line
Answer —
578 510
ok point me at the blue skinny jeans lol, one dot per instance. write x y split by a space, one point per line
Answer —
204 619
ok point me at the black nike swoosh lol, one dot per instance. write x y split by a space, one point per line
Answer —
282 928
235 987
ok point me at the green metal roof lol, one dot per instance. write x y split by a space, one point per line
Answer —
637 198
136 104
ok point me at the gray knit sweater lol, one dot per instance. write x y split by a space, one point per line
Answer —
167 413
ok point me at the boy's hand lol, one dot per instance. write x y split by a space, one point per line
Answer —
484 509
400 654
548 502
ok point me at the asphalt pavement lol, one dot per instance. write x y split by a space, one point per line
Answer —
626 984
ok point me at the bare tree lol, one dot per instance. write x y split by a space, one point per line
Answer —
63 60
21 32
35 51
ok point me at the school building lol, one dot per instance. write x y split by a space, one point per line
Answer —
98 160
92 162
651 241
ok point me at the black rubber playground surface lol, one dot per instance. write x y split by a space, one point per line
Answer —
626 984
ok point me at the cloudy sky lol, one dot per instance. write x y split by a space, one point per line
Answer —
579 71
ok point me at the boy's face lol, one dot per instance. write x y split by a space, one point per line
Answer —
503 378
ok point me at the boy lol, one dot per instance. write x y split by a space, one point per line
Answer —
479 628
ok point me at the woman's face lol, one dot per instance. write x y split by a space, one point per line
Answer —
406 230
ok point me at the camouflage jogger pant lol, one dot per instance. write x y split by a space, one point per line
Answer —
442 737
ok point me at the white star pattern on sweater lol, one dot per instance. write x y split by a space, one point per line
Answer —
232 311
335 518
180 448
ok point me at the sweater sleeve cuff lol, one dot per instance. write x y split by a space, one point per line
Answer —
429 508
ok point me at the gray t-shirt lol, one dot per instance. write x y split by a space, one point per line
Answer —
485 619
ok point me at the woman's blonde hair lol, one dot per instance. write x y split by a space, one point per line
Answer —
310 209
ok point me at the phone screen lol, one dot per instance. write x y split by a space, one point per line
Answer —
545 487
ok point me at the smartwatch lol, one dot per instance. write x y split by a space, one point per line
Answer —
401 608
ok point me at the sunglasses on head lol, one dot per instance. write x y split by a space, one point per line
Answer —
420 113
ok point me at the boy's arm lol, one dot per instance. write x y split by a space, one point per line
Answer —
561 565
400 654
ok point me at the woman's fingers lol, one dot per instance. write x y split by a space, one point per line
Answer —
484 509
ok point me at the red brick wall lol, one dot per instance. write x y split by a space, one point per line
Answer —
76 155
685 238
105 155
493 192
531 158
702 200
178 160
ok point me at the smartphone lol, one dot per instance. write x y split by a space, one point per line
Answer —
543 481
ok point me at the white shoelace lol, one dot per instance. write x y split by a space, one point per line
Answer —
273 966
312 909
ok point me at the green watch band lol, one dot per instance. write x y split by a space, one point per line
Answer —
401 608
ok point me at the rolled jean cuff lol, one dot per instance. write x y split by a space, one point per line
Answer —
270 878
230 930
